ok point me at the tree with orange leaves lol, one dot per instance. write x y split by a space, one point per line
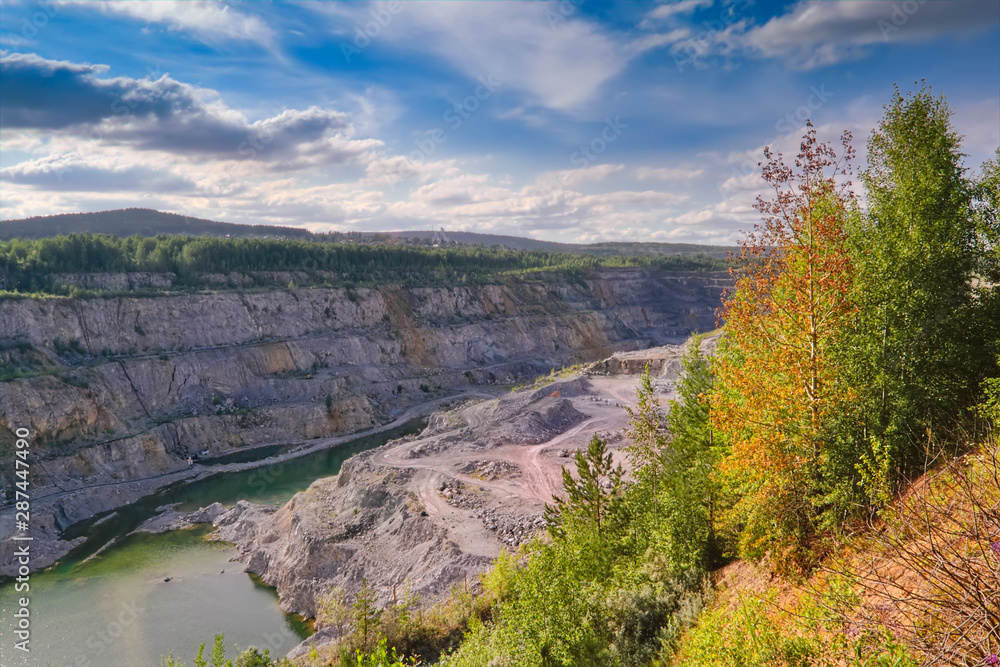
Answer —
776 375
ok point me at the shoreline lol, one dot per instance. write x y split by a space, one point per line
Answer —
50 547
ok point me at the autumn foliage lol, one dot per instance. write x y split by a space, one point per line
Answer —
776 376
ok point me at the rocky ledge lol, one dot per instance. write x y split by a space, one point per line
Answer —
433 510
121 393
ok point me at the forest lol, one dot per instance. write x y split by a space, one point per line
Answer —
141 221
28 266
838 450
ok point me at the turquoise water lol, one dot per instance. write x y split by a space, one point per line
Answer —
115 609
270 484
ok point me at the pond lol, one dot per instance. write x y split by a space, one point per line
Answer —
115 609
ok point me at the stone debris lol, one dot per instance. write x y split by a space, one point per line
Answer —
170 519
512 530
491 470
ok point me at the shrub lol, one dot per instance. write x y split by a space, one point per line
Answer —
251 657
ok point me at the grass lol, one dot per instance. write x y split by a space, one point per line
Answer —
915 585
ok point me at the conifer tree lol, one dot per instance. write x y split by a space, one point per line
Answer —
593 500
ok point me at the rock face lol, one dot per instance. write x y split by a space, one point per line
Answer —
116 281
365 523
429 511
171 519
121 391
416 513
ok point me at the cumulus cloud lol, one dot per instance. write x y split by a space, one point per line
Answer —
484 203
810 34
629 198
55 94
459 190
574 177
165 115
92 174
544 50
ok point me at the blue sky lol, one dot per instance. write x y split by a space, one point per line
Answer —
569 121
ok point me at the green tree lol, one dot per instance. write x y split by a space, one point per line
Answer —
333 610
915 351
777 378
381 656
648 431
594 500
694 453
986 210
366 615
675 498
218 656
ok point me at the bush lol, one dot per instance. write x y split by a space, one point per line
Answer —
382 657
746 636
251 657
403 626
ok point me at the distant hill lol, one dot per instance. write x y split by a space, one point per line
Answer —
141 221
147 222
603 249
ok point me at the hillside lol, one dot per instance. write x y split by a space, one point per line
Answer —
116 392
915 585
141 221
65 264
601 249
147 222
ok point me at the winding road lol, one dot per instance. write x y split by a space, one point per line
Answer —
441 456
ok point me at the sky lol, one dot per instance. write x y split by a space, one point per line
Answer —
567 120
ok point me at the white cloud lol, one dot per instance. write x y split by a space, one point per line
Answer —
60 100
92 173
630 198
210 21
669 9
656 40
557 61
668 173
813 34
979 122
569 178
